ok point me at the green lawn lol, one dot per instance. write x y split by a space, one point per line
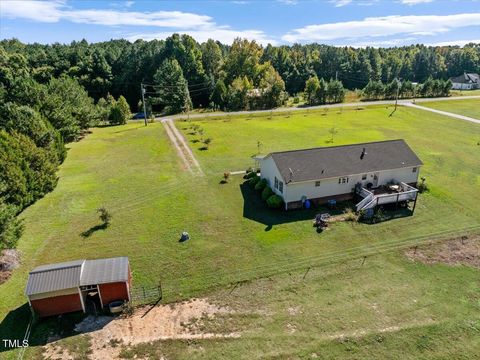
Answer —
134 172
470 107
464 92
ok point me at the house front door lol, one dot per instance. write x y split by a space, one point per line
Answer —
375 179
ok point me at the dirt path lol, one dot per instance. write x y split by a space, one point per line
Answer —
108 335
184 151
456 116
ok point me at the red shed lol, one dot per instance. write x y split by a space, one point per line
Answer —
78 285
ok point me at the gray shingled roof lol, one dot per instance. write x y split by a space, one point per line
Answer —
67 275
467 78
336 161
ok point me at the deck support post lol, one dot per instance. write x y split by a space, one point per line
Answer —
415 203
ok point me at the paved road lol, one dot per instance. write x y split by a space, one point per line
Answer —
457 116
283 109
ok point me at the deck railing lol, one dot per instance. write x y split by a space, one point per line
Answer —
405 193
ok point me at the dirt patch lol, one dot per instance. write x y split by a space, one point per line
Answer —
459 251
9 260
163 322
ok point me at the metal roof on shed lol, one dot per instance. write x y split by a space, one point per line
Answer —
104 271
67 275
54 277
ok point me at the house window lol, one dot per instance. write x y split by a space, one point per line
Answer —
414 169
343 180
364 177
280 186
317 183
276 183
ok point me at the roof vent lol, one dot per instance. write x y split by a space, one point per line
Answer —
364 152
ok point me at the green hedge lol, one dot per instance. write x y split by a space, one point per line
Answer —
253 181
261 185
266 193
274 201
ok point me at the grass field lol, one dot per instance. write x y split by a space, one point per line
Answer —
464 92
470 107
135 173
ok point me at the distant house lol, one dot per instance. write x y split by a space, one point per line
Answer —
78 285
467 81
380 172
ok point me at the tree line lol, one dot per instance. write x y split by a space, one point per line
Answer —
181 73
376 90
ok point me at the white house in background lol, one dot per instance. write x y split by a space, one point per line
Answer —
467 81
380 172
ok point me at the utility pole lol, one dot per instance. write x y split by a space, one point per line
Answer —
398 92
414 84
142 88
336 75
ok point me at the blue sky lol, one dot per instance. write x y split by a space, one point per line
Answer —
336 22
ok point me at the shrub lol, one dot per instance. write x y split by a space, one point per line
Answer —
104 216
266 193
350 215
274 201
127 309
250 174
422 187
261 185
254 180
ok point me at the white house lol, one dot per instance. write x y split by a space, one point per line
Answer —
334 173
467 81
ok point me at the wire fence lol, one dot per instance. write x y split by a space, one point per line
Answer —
180 288
146 294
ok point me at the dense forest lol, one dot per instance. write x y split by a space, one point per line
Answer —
180 73
50 94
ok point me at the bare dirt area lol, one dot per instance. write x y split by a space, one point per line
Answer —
459 251
108 335
9 260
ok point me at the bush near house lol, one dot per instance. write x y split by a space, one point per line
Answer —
254 180
266 193
261 185
250 174
274 201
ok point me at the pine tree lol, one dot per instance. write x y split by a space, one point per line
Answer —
172 88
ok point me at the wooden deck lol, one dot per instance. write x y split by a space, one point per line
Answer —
386 195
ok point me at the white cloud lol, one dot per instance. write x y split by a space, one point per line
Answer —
200 27
454 42
379 43
383 26
415 2
33 10
288 2
55 11
129 3
340 3
224 35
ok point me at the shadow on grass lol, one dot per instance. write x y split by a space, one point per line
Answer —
89 232
389 212
254 208
14 325
130 129
45 330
